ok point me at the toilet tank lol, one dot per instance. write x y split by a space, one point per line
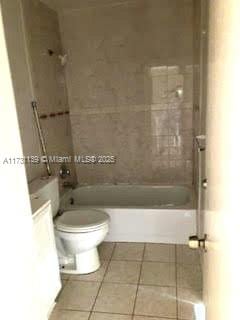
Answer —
46 188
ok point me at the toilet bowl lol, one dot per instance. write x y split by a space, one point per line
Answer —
78 233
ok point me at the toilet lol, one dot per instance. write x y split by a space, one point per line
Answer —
78 232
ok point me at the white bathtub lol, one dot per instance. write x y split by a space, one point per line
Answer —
141 213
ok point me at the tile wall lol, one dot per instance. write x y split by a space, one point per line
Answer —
48 79
125 64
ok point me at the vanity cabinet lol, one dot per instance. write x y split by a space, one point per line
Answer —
47 270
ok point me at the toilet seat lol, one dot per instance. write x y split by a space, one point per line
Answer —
81 220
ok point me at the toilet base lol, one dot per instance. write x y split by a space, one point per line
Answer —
82 263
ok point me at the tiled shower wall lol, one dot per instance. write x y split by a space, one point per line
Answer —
48 79
125 65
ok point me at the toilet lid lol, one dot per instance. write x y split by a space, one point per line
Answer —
81 220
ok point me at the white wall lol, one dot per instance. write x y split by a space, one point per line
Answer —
18 290
22 83
222 214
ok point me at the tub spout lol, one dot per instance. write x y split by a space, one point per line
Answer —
68 184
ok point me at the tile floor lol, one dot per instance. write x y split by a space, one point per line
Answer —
136 281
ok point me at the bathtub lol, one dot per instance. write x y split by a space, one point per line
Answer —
140 213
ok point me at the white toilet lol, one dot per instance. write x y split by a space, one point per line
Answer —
78 232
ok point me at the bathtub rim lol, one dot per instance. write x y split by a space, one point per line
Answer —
191 205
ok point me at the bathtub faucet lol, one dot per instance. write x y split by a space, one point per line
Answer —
68 184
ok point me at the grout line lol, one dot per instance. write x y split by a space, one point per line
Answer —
135 284
129 260
157 261
176 272
110 259
101 283
131 283
62 289
132 316
138 283
117 313
156 317
189 264
127 314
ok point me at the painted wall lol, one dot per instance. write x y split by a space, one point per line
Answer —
222 219
14 191
125 63
17 53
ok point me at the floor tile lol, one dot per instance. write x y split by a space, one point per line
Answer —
123 272
94 276
156 295
148 318
156 301
69 315
187 256
105 250
64 282
189 276
159 252
116 298
109 316
78 295
128 251
187 299
157 273
64 276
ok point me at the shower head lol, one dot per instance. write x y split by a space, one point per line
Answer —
61 57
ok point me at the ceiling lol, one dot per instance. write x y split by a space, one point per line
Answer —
80 4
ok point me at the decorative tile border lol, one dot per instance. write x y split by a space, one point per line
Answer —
53 114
